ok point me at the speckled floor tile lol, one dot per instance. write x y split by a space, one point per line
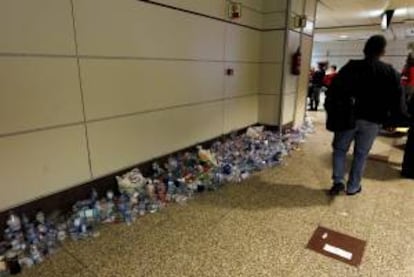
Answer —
280 250
114 242
245 245
145 249
313 264
389 252
395 209
62 264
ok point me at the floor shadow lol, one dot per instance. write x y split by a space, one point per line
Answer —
374 169
256 194
400 146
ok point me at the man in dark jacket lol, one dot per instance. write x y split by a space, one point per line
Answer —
317 84
364 94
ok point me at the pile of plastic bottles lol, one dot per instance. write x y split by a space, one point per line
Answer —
28 242
227 161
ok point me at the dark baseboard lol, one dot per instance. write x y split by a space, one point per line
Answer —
275 128
63 201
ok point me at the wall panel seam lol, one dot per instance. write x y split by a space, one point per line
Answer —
205 15
225 80
80 123
284 62
259 11
198 14
273 12
270 94
41 129
170 108
81 88
247 7
131 58
300 32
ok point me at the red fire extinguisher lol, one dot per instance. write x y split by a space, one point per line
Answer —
296 62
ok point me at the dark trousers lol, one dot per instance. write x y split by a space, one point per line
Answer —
315 98
363 136
408 161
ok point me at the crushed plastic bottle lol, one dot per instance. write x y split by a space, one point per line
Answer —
35 254
14 223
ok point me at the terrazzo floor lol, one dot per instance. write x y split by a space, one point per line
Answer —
261 227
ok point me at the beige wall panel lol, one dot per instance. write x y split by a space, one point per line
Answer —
240 112
274 5
270 78
272 46
134 28
122 142
250 18
269 106
293 44
274 20
242 44
38 92
289 104
216 8
254 4
291 83
310 9
42 26
303 80
37 164
115 87
244 81
297 6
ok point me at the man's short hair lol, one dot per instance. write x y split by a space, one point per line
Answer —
375 46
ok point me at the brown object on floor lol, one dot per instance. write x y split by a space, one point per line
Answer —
326 238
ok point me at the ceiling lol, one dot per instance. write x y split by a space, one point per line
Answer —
359 19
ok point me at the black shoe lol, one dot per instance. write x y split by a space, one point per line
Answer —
354 193
336 189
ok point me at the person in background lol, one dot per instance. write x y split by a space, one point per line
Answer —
317 84
407 81
330 76
407 76
363 95
311 73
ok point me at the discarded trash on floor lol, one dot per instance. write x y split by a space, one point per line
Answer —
28 242
338 246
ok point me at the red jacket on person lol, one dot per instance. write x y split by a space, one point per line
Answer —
328 79
407 78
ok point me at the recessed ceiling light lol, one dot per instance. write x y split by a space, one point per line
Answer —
401 12
343 36
375 13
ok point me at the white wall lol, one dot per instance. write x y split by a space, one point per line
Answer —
340 52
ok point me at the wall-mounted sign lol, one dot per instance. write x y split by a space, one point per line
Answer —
234 10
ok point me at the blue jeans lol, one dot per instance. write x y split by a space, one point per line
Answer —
363 135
